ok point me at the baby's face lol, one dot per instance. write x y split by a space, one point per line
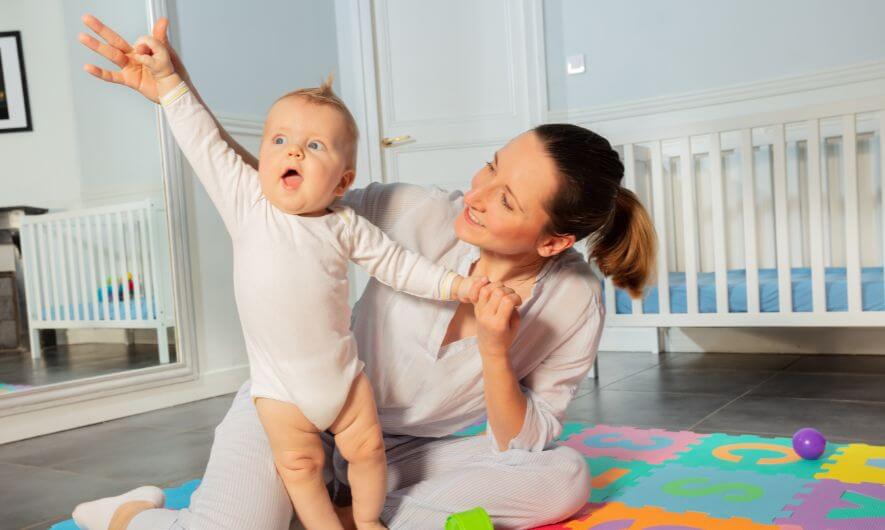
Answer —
303 158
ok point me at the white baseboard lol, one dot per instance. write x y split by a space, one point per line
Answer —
777 340
629 339
852 341
81 413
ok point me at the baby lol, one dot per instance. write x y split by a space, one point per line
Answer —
291 246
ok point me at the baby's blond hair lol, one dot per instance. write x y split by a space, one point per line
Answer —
324 95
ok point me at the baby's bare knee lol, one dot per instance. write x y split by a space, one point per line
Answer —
299 466
364 446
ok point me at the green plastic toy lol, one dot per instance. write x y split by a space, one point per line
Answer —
475 519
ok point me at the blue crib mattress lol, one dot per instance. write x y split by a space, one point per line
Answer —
114 309
872 289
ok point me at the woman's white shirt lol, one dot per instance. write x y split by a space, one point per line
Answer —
423 389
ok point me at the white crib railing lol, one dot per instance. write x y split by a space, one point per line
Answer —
77 267
835 219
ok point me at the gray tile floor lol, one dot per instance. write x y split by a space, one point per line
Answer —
43 478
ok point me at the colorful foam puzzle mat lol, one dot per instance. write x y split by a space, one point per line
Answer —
653 479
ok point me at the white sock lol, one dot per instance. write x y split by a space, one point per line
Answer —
96 515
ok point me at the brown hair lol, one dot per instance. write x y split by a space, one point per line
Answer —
591 203
324 95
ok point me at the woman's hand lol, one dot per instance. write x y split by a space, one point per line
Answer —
131 73
497 319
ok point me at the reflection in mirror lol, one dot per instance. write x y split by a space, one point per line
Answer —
85 283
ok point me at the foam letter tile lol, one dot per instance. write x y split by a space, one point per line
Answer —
654 446
754 453
856 463
833 505
611 475
723 494
571 428
617 516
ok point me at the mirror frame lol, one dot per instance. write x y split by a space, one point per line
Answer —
186 366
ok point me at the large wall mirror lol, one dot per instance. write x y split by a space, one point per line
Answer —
93 271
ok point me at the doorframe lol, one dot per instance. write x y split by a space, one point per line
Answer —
356 76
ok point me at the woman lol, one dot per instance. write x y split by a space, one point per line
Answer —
515 357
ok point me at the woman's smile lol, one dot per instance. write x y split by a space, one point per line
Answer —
468 215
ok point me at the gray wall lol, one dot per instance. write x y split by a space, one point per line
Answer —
644 48
116 133
244 55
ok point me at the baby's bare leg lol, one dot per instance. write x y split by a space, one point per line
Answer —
298 456
359 440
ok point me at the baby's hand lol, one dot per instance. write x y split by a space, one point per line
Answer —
153 55
466 290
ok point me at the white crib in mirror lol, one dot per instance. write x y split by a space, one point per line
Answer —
99 267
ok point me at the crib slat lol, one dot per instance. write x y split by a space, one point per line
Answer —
781 222
108 248
630 183
84 291
63 271
157 291
73 311
134 267
852 238
94 273
55 307
882 180
42 234
610 300
149 294
689 225
748 182
719 237
818 291
124 270
660 217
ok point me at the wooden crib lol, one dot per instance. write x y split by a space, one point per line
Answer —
97 268
775 219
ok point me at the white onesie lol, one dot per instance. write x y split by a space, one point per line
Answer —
290 273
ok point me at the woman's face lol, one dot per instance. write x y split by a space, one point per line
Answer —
504 209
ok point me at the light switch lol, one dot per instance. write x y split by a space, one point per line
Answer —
574 64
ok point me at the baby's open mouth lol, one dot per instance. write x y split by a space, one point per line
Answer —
292 179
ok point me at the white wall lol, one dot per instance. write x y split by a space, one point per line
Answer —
639 49
241 56
41 167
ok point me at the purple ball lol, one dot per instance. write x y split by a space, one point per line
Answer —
809 443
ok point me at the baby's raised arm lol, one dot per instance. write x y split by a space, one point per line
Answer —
231 183
132 74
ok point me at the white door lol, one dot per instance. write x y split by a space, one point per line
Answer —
455 82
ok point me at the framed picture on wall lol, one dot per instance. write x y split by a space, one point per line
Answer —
15 111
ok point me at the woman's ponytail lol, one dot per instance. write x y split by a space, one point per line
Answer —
626 247
591 203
